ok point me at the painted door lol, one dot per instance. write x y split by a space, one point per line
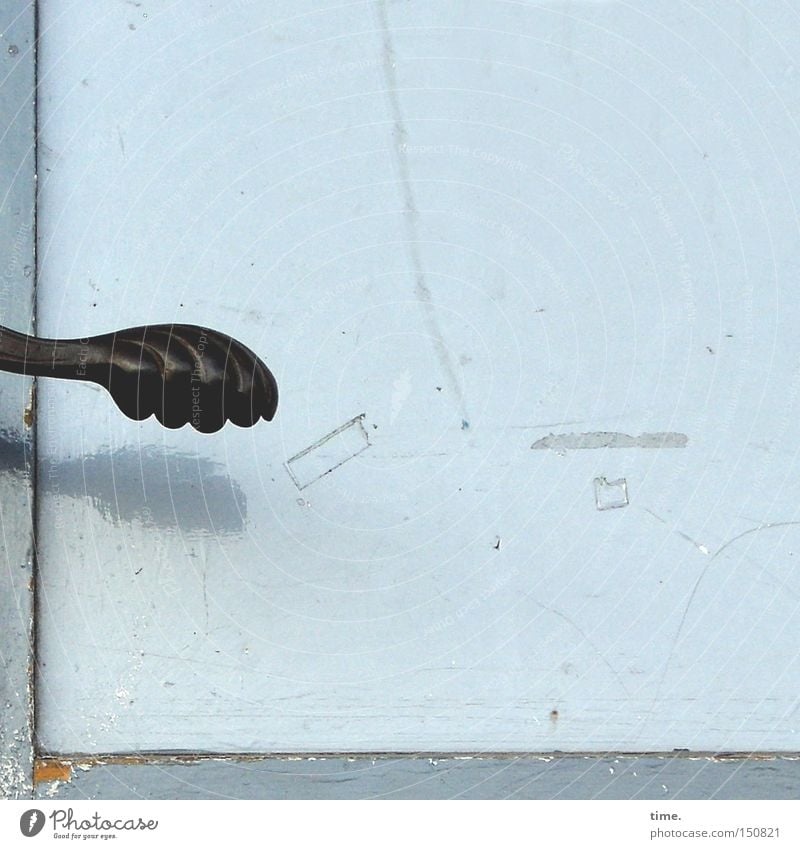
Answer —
525 273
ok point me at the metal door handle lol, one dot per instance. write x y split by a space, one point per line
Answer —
180 373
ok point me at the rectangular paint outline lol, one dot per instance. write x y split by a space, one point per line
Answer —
355 422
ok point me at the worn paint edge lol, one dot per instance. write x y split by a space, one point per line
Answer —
62 765
362 775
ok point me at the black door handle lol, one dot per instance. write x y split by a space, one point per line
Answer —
180 373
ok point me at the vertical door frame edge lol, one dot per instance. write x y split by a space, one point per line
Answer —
18 151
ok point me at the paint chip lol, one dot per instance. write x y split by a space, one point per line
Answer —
28 413
329 453
609 495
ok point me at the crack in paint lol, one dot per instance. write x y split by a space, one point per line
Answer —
411 215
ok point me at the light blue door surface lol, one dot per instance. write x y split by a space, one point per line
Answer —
535 266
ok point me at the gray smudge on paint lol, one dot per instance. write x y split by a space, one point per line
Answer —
605 439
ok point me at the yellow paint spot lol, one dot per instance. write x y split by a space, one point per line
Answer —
49 769
27 416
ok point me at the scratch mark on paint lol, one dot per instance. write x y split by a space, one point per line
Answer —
762 527
551 424
413 455
205 592
692 595
699 546
411 214
610 439
329 453
589 641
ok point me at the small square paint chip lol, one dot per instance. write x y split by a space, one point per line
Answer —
609 495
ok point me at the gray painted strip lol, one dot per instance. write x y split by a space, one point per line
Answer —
445 777
605 439
17 234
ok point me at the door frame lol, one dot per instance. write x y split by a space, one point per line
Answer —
26 772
